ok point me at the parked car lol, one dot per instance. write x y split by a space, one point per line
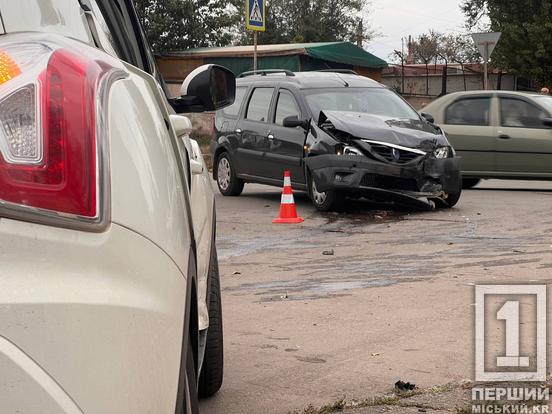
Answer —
498 134
110 299
339 134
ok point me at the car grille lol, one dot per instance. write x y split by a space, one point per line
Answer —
391 183
395 155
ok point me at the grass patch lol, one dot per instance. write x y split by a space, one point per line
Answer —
204 140
399 399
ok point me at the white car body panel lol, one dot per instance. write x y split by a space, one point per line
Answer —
202 199
86 314
91 310
147 192
203 209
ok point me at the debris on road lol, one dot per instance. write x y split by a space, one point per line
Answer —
402 386
328 252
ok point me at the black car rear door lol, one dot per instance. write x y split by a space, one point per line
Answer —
285 150
252 131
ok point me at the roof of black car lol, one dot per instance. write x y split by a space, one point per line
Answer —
306 80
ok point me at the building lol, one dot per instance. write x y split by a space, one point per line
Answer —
459 78
295 57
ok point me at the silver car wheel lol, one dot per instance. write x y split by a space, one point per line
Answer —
223 174
319 197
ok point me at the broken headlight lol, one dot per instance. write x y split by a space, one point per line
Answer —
442 152
347 150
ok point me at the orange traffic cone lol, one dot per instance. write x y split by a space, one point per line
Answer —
288 213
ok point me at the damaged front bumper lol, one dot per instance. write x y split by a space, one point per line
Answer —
428 178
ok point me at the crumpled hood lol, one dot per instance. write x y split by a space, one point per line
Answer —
404 132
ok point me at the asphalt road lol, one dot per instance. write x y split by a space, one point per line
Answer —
394 300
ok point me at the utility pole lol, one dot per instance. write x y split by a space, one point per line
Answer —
360 33
401 57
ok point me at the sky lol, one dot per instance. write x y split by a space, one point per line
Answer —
394 19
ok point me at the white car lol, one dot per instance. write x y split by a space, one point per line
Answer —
110 296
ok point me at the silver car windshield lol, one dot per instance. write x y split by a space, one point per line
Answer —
64 17
375 101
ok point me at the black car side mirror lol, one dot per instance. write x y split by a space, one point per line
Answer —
428 117
206 88
547 122
294 121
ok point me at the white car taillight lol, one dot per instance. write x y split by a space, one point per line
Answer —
50 122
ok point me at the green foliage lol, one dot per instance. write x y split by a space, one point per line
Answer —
425 47
173 25
303 21
526 26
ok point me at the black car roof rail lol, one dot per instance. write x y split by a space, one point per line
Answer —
346 71
264 72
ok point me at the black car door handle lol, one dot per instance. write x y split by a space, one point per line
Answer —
502 135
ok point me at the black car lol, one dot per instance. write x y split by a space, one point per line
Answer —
339 134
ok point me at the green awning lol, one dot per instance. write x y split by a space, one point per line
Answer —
344 52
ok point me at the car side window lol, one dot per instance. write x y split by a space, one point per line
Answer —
259 104
519 113
469 111
286 106
233 110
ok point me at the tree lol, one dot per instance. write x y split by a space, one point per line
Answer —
458 49
526 26
424 49
172 25
300 21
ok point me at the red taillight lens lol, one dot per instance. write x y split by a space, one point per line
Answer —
64 179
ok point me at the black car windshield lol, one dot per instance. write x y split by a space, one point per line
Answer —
375 101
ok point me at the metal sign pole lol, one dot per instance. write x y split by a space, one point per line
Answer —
255 21
255 50
485 67
486 43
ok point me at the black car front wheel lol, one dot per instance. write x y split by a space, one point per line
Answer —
228 183
470 182
328 200
451 199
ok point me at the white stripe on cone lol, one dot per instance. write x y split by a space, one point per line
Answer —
287 199
287 182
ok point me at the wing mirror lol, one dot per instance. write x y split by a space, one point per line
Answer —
294 121
206 88
181 124
428 117
196 160
547 122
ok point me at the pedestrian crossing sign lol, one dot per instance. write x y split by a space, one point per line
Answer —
255 16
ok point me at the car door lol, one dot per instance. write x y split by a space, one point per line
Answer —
226 125
469 123
286 144
524 143
252 132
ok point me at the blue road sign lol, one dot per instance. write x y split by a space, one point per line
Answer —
255 16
